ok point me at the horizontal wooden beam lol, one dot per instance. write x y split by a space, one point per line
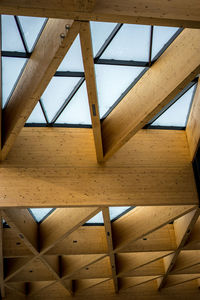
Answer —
178 13
158 86
193 125
39 172
49 52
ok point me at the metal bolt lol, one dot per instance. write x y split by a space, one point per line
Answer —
67 26
62 35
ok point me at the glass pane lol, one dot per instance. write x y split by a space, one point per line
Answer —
37 115
100 31
31 27
132 42
40 213
11 40
112 81
96 219
77 111
73 59
11 70
161 35
115 212
56 93
176 115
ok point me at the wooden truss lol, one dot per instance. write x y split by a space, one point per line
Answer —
153 251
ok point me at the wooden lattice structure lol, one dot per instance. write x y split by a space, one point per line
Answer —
152 251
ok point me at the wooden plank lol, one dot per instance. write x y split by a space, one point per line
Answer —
128 282
83 284
144 220
154 268
193 243
185 260
42 65
180 14
2 287
183 227
24 225
88 61
193 124
84 240
61 223
128 262
174 280
39 172
108 231
128 116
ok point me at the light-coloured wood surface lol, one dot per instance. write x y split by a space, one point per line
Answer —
179 13
88 61
193 125
49 52
40 172
157 87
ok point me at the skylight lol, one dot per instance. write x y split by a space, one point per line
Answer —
40 214
122 54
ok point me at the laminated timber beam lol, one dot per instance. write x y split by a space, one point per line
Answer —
193 125
39 172
183 227
88 61
153 91
51 48
177 13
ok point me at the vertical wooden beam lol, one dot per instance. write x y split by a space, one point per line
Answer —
193 125
108 230
1 259
0 92
88 61
183 227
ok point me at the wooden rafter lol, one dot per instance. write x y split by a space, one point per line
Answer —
178 13
54 42
193 125
88 61
183 228
157 87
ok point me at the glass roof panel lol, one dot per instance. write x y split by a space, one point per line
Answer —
112 81
56 93
161 35
132 42
37 115
176 115
77 111
11 70
97 219
100 31
116 212
11 40
73 59
40 213
32 28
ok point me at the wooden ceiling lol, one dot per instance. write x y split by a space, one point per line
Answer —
153 251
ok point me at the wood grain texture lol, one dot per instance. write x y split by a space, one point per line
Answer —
176 13
154 168
42 65
157 87
193 125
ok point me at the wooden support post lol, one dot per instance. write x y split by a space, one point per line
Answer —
108 231
88 61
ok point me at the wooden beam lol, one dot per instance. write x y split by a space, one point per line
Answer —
183 227
2 287
42 65
0 89
144 220
160 84
185 260
108 231
39 172
193 125
88 61
179 14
